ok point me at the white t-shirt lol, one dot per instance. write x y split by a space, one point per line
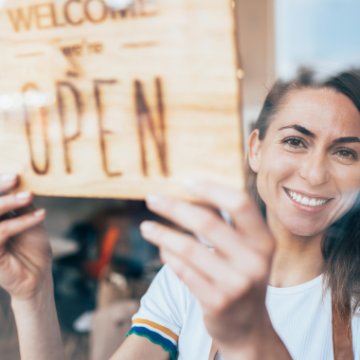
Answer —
171 317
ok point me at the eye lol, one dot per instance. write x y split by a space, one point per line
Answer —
347 154
294 142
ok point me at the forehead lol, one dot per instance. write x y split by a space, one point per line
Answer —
324 112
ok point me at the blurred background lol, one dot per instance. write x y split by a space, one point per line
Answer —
102 266
276 37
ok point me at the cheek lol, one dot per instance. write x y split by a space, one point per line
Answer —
276 166
347 177
348 184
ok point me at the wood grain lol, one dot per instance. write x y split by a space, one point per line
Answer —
103 103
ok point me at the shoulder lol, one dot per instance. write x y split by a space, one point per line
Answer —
162 311
166 301
166 287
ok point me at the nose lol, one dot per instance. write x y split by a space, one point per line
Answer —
315 170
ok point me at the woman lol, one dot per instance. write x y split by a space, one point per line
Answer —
278 277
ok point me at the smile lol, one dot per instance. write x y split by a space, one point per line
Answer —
306 200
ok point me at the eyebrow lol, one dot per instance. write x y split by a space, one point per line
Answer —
348 139
342 140
300 129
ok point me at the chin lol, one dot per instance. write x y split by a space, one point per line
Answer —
305 233
304 228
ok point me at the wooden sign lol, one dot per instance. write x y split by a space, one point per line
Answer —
97 102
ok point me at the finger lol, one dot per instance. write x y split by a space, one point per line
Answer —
206 292
210 265
243 211
9 228
25 209
15 201
8 181
198 220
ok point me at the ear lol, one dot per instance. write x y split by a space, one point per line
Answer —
254 146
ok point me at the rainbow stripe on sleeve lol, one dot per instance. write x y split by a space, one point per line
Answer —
157 334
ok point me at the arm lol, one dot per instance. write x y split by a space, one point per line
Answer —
157 325
140 348
265 345
38 327
231 282
25 272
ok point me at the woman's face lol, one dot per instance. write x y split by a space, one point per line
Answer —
308 165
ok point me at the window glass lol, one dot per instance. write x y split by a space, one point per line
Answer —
323 34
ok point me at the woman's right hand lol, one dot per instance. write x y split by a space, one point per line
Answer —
25 252
230 282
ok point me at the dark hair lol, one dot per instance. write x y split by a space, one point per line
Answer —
340 245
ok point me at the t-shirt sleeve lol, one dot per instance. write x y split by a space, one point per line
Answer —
162 310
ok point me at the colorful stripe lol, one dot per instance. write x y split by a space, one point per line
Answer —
155 338
158 332
156 326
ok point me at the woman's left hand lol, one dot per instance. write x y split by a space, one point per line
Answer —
231 281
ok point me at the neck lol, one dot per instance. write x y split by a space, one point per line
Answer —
297 259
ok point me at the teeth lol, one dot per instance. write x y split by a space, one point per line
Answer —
304 200
312 202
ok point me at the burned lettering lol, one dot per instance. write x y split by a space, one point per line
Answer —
43 116
145 119
61 107
102 131
20 18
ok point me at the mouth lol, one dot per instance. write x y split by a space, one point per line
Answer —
303 199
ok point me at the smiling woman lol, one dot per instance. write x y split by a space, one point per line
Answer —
312 129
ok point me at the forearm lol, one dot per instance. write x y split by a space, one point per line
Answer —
265 345
38 326
140 348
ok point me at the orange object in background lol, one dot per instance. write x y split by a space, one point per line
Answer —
96 268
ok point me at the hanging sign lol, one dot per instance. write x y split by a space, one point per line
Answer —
98 102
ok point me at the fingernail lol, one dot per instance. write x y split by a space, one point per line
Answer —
39 212
154 198
23 195
190 183
8 177
147 227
